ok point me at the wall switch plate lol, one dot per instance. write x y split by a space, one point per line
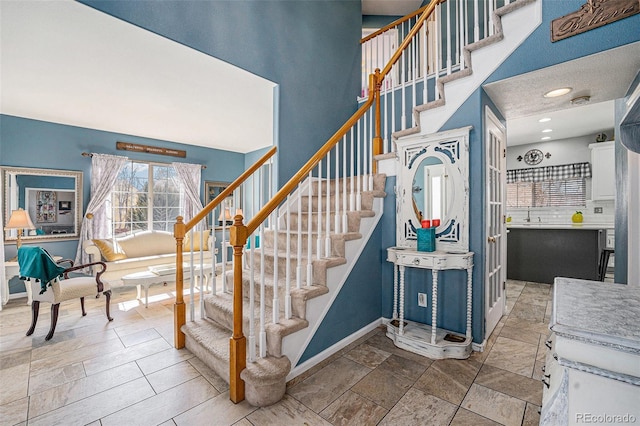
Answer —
597 209
422 300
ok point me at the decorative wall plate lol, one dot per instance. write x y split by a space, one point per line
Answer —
533 157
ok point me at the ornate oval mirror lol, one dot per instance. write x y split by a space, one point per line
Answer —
433 184
51 198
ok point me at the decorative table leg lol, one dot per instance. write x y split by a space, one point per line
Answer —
401 325
395 292
434 305
469 289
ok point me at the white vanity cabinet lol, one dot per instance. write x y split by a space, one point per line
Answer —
592 368
603 166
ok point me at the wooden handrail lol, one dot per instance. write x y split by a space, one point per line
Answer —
229 189
279 197
393 24
428 10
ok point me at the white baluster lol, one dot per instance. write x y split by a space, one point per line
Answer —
327 240
337 227
414 79
352 194
299 252
319 240
263 333
190 275
344 182
252 297
476 21
276 299
310 230
287 297
425 61
463 29
490 16
361 141
448 32
437 44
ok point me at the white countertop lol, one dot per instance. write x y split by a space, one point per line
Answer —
538 225
602 313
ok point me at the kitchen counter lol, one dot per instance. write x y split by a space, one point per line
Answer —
539 253
538 225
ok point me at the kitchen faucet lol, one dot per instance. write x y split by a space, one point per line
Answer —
528 218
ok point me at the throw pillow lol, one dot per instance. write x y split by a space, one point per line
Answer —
109 253
186 243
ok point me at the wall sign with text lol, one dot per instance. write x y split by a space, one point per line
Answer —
592 14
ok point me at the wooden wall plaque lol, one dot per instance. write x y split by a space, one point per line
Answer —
592 14
136 147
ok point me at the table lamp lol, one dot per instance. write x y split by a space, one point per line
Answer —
19 220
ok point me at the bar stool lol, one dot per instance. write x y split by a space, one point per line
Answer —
604 262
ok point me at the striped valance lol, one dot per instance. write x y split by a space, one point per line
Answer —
539 174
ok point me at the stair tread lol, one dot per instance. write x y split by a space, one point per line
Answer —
215 339
224 302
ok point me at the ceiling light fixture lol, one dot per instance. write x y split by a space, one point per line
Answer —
580 100
544 120
547 130
557 92
545 138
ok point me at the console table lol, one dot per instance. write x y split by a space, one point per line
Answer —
421 338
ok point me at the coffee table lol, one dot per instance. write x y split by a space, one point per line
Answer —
159 274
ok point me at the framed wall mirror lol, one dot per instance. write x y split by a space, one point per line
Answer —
52 199
433 183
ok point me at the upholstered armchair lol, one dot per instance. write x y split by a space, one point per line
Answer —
50 283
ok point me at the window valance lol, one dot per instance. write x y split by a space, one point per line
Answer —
539 174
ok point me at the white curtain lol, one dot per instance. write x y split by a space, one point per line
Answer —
3 284
188 175
104 172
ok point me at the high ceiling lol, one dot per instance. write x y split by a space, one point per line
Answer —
67 63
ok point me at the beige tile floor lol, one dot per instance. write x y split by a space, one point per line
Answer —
127 373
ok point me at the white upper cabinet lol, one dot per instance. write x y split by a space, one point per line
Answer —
603 167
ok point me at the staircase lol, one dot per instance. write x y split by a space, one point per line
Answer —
265 377
319 221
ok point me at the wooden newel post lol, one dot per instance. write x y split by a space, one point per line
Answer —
377 139
238 235
179 308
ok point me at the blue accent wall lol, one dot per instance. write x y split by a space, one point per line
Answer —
40 144
311 49
538 52
358 303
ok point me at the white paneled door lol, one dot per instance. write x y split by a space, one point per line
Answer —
496 259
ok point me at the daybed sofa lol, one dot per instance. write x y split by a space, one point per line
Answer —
135 253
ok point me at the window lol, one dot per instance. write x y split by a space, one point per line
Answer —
146 196
548 193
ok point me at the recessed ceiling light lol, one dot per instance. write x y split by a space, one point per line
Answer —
547 130
544 120
545 138
557 92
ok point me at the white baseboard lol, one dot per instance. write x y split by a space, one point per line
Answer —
315 360
479 347
17 295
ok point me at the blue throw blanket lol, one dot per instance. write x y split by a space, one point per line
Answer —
36 263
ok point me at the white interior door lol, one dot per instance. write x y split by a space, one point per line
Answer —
495 278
